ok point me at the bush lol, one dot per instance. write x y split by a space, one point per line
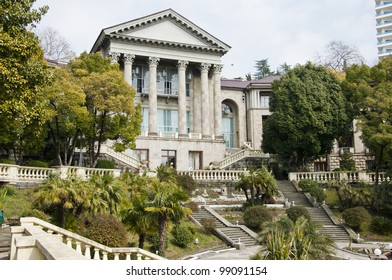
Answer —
104 229
254 217
187 183
297 211
307 184
193 206
318 194
313 188
37 214
6 161
356 217
208 224
9 190
381 225
182 235
105 164
36 163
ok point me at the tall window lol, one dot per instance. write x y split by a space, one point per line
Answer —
144 125
188 121
140 78
195 160
167 80
228 125
264 101
167 120
141 155
168 158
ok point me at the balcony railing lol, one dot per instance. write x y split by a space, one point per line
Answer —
348 176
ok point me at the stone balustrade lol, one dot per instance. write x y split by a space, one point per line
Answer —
130 161
213 175
25 174
36 239
348 176
247 153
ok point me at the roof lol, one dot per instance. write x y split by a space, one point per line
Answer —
240 84
129 31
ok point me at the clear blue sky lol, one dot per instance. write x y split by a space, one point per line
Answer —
280 30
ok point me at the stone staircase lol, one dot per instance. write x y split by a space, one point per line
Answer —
336 231
5 243
229 233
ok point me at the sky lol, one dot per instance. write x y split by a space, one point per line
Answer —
282 31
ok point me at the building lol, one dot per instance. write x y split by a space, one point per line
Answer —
384 27
192 118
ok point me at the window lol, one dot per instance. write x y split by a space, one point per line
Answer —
167 81
195 160
264 101
167 121
168 158
140 78
144 125
141 155
188 121
320 166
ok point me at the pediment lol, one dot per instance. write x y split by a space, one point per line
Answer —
164 28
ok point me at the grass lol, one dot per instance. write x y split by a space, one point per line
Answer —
19 204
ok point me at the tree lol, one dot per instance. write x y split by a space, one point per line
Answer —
340 55
308 114
262 69
368 90
55 46
23 75
109 102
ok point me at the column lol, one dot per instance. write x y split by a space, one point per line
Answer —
182 98
217 101
128 60
114 56
152 97
205 108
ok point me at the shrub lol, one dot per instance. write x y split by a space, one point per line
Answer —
187 183
104 229
208 224
6 161
37 214
9 190
381 225
193 206
182 235
313 188
254 217
307 184
356 217
297 211
36 163
105 164
318 194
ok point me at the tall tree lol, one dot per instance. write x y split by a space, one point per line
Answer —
262 69
22 76
110 104
369 92
55 46
308 113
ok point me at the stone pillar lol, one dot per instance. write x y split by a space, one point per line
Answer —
182 98
114 56
128 60
152 97
217 101
205 108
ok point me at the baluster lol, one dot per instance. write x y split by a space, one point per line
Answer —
96 254
105 255
116 256
87 252
78 247
69 242
50 231
128 256
139 256
147 258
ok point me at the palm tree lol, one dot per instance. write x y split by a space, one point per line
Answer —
164 201
65 195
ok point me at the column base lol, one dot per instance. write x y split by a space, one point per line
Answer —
207 137
153 134
183 136
220 137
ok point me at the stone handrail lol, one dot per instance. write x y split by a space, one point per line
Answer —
58 243
348 176
128 160
213 175
239 156
11 173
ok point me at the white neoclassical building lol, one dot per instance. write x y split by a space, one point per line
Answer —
191 116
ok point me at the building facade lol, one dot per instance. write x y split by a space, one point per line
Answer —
384 27
192 118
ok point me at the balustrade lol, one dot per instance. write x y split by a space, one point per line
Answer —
213 175
348 176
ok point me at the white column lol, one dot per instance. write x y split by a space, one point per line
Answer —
205 108
217 101
128 61
152 97
182 98
114 56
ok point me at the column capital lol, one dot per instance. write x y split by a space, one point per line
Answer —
217 68
182 64
204 66
114 56
129 58
153 61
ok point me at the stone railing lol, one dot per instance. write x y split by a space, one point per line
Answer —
39 240
24 174
213 175
247 153
128 160
348 176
